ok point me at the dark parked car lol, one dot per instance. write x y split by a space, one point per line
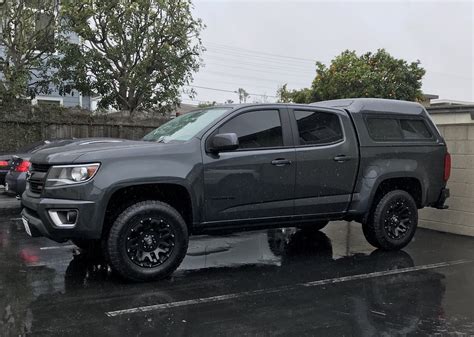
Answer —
4 167
6 158
241 167
15 180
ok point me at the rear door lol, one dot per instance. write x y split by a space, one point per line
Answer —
326 158
257 180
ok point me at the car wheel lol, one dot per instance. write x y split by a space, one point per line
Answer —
147 241
313 226
394 221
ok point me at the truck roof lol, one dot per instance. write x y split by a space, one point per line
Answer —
353 105
356 105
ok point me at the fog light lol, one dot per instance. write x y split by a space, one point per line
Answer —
71 217
64 218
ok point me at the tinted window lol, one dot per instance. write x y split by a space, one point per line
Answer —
256 129
414 129
318 127
396 129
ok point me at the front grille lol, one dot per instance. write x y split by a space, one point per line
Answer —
40 167
37 178
36 186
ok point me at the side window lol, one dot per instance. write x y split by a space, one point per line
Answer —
415 129
256 129
316 127
384 129
397 129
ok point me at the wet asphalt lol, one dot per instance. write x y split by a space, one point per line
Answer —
282 282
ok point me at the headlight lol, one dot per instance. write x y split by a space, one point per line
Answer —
70 174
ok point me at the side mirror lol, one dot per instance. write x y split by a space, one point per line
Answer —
224 142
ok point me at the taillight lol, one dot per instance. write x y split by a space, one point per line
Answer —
23 166
3 163
447 166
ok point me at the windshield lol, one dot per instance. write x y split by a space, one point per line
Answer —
184 127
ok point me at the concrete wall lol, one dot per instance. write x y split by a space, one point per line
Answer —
459 218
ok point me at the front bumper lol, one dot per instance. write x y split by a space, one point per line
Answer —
442 199
35 211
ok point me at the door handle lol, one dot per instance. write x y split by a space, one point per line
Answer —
281 162
342 158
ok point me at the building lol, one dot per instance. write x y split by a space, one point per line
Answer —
456 123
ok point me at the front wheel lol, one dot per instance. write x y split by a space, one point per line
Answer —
393 223
147 241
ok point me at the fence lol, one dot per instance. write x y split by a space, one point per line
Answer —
17 131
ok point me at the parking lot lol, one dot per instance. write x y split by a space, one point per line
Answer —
274 282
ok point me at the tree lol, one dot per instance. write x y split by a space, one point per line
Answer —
243 95
369 75
134 55
27 40
207 104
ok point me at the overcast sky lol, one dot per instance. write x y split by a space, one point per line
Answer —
260 45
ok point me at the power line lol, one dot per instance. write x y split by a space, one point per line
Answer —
268 69
234 92
230 50
236 84
223 46
275 81
259 60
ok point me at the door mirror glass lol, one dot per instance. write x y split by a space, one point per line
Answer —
224 142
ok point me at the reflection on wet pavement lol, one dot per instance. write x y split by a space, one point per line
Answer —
275 282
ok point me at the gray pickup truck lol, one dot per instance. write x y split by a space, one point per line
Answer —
241 167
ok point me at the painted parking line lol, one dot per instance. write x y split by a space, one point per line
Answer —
211 299
57 247
15 219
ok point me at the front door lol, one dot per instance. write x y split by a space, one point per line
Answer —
257 180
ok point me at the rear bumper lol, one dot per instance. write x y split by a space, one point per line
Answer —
3 173
440 203
35 211
16 183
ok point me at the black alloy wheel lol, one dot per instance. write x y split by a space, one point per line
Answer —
393 223
150 242
398 219
147 241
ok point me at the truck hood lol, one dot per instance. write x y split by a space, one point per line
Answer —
92 147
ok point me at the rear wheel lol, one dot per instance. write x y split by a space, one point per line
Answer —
393 223
147 241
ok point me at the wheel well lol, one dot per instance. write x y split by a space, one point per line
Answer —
410 185
175 195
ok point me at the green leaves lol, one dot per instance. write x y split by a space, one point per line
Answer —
27 40
369 75
134 54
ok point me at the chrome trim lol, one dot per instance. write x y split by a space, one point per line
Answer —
53 214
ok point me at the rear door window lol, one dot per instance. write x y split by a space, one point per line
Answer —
315 127
397 129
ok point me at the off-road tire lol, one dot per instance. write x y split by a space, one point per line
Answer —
377 229
116 241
